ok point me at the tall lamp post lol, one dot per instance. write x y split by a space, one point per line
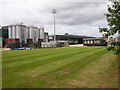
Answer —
54 12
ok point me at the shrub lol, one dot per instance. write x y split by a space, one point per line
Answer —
117 50
110 48
115 43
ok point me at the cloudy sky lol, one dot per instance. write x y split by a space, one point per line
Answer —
78 17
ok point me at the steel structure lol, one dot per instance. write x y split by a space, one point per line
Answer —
54 12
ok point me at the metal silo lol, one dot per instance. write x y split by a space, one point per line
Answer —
22 34
28 32
42 33
37 32
10 32
31 32
25 28
29 39
13 31
18 32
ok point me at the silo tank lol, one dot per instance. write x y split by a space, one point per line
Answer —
10 31
13 31
18 33
41 33
25 34
31 32
37 34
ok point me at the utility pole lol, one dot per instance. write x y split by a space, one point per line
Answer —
54 12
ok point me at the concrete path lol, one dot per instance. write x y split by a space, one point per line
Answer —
76 45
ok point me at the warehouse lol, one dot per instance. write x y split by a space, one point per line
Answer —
23 34
94 42
71 39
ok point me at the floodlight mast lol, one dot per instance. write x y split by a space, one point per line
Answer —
54 12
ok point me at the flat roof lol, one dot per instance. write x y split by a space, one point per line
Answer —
91 38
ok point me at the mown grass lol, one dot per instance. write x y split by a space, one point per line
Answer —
67 67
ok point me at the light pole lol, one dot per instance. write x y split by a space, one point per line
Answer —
54 12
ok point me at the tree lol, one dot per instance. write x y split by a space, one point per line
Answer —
113 19
66 34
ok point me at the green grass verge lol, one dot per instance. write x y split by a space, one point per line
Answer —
67 67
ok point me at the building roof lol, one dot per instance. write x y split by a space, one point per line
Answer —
71 36
92 38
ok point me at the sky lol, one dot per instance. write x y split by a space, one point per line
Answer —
72 16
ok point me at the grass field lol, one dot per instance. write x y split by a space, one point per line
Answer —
67 67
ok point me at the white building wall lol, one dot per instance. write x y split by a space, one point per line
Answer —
50 37
46 38
41 33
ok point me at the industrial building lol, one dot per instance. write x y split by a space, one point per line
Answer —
71 39
22 34
27 36
94 42
46 37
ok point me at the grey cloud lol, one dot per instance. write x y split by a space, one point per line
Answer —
39 13
69 13
81 15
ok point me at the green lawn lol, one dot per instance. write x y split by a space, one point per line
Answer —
67 67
